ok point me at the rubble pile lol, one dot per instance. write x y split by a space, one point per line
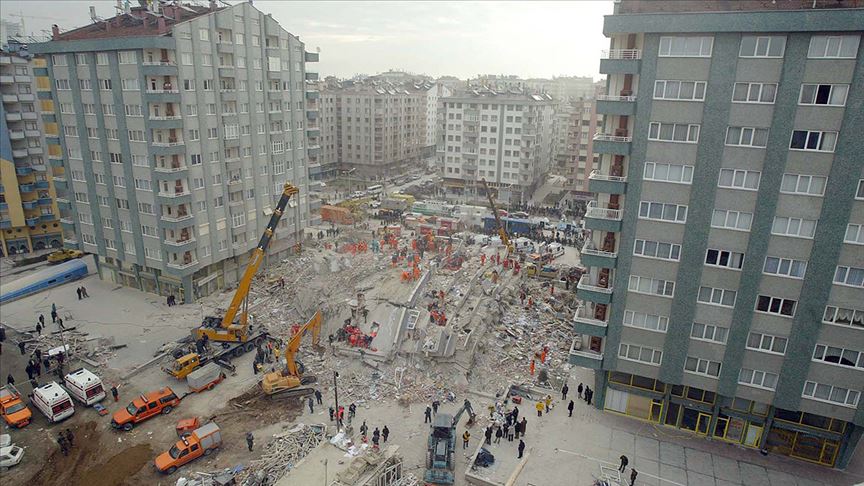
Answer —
94 350
282 454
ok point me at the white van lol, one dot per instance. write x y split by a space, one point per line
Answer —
53 401
523 244
84 386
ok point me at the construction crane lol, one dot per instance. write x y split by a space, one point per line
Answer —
231 327
502 232
441 448
284 383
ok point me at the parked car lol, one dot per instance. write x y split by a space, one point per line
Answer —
202 442
13 409
64 255
144 407
10 454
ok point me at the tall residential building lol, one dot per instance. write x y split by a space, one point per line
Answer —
375 129
504 138
180 126
28 209
564 88
575 124
726 287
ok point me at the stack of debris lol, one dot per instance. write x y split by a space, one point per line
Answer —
282 454
94 350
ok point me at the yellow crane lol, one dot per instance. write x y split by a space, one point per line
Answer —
285 382
501 231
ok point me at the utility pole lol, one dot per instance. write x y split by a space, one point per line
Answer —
336 395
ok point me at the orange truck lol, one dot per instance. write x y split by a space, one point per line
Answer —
144 407
201 442
14 411
336 215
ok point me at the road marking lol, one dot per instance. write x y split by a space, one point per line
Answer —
667 481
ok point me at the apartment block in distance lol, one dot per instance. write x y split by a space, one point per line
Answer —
575 124
726 288
180 126
502 137
376 129
29 218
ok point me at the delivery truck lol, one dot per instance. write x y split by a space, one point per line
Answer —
202 442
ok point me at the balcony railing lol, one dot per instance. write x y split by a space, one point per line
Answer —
166 117
163 62
169 169
603 177
585 284
179 242
622 54
582 315
576 348
176 219
615 98
175 193
182 266
606 137
602 213
163 91
596 252
169 143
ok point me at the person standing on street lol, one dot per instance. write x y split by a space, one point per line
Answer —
250 440
539 408
570 408
624 462
10 380
385 432
39 327
115 393
579 390
488 435
318 398
428 418
498 435
524 425
465 437
633 475
435 406
311 405
564 391
522 449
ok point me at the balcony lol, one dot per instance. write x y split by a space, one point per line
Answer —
30 115
35 150
615 144
182 265
621 61
180 243
26 188
616 105
593 257
313 150
46 217
16 134
312 95
23 171
26 97
172 168
13 116
607 184
7 79
165 95
310 56
10 98
176 222
177 196
32 221
313 132
5 223
29 204
604 219
584 358
23 78
19 153
311 114
585 290
42 185
585 323
311 76
32 133
44 201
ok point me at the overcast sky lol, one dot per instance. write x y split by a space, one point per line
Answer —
464 39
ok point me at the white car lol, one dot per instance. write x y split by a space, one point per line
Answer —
10 454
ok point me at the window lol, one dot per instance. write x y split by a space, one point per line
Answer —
813 141
82 197
136 136
859 193
102 58
58 59
680 174
106 223
68 108
662 211
803 184
840 316
152 254
122 203
831 394
145 208
739 179
747 136
132 110
685 46
197 183
724 258
643 354
794 227
124 225
642 320
702 366
140 161
88 238
651 286
204 34
238 219
673 132
850 276
657 249
766 343
212 133
84 84
708 332
85 218
103 200
679 90
754 93
784 267
217 179
713 296
757 378
119 181
127 57
838 356
62 84
148 231
194 134
105 84
823 94
833 46
143 184
854 234
775 305
762 46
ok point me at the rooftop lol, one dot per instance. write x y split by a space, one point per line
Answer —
655 6
137 22
509 95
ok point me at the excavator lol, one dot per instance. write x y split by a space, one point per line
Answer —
285 383
231 332
502 232
441 448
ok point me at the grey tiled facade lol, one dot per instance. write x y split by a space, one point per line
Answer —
177 145
725 292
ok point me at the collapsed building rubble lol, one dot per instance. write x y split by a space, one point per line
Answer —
282 454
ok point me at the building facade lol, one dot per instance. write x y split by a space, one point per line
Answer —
375 129
29 218
504 138
575 124
726 287
178 129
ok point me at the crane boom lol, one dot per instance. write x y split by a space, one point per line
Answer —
314 325
501 231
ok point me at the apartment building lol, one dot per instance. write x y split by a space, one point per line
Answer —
180 125
725 295
502 137
375 129
28 210
575 124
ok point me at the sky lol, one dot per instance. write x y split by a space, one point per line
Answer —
463 38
